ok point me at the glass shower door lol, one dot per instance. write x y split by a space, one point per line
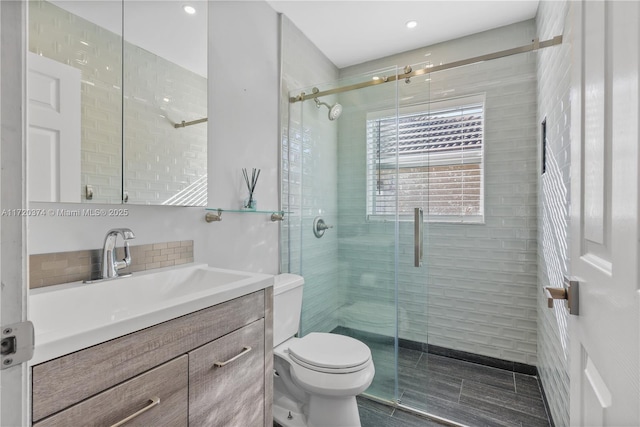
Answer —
414 175
368 243
338 173
440 170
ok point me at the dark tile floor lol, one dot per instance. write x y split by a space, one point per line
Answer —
467 393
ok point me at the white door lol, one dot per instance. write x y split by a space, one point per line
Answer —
14 388
54 131
605 347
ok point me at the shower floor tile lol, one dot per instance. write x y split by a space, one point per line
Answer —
464 392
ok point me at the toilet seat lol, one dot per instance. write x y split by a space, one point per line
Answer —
330 353
326 381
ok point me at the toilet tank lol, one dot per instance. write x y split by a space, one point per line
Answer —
287 306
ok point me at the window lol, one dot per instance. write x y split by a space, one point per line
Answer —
439 153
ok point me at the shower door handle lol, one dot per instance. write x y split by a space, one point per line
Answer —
418 239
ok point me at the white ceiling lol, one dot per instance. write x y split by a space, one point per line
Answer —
356 31
348 32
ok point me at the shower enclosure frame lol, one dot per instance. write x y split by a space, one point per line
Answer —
407 75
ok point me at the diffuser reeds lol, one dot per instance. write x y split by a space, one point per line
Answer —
251 186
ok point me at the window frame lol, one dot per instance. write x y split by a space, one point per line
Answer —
429 107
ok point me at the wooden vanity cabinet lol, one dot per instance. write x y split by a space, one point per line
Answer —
226 380
209 368
157 402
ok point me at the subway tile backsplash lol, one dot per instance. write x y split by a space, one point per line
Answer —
63 267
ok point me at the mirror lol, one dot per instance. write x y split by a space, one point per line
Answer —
165 102
106 113
75 107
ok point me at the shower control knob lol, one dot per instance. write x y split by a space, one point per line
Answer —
323 226
319 227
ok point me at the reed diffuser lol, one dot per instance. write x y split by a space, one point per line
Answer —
250 202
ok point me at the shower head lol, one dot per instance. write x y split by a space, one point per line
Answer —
334 110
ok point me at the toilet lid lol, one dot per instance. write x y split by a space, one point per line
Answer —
328 352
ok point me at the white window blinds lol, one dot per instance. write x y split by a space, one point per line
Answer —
438 148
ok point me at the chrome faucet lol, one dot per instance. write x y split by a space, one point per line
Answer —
110 266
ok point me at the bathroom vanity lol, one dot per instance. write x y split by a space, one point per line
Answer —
209 366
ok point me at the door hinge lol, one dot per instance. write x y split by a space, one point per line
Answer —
17 344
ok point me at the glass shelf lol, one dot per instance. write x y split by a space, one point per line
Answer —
215 214
245 211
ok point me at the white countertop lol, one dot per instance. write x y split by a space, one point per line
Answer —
74 316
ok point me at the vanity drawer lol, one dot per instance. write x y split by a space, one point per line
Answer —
167 382
62 382
231 394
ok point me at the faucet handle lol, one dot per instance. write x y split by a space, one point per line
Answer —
126 233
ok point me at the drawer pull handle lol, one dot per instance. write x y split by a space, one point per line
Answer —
246 350
155 401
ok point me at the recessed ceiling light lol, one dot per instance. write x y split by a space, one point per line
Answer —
412 24
189 9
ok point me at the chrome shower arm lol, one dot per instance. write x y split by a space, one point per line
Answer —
319 103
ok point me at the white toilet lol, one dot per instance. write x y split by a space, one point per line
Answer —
318 376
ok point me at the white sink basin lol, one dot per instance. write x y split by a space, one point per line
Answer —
76 315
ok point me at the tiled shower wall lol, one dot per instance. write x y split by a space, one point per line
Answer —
554 81
478 292
160 160
309 180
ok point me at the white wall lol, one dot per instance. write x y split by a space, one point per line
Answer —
56 232
554 78
243 131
